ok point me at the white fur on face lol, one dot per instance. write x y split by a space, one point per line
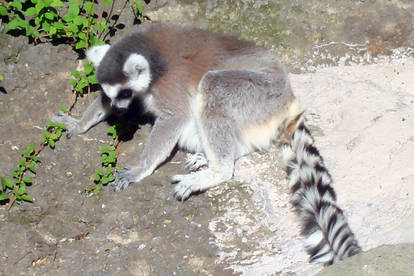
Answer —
111 90
97 53
137 69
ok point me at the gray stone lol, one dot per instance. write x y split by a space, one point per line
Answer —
386 260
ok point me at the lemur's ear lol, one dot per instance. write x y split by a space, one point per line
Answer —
96 54
135 65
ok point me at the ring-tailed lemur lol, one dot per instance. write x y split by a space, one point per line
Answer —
220 98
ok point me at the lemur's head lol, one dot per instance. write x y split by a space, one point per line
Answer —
126 69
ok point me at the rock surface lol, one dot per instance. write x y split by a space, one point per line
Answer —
362 117
382 261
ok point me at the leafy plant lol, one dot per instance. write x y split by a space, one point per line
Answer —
56 19
68 21
109 157
84 78
15 189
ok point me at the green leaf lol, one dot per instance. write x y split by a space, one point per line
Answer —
49 124
61 125
97 189
49 15
54 136
6 183
51 144
16 174
107 2
37 20
25 154
76 74
29 30
30 11
21 191
22 163
1 77
3 196
56 3
59 132
80 21
105 180
111 130
3 10
104 148
72 82
92 79
99 172
36 159
96 177
68 18
31 168
138 5
88 67
109 170
46 26
94 40
26 179
58 26
111 178
16 5
81 35
82 84
73 10
30 148
89 7
39 6
63 109
104 157
80 44
52 30
14 24
26 197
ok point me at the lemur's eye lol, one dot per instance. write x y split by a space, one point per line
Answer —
124 93
139 70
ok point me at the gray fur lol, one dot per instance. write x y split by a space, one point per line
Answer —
97 112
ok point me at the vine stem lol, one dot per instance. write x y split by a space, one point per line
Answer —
48 35
73 101
36 153
118 147
87 45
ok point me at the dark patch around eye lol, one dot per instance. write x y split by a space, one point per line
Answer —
124 94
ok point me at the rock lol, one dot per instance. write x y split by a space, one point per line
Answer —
385 260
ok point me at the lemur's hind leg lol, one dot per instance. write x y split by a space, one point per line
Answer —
218 144
228 101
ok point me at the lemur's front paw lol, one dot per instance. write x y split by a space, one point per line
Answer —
185 185
72 124
123 179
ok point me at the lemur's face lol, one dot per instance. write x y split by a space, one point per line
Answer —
138 77
122 77
137 80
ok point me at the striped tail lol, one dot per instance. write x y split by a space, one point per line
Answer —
328 237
